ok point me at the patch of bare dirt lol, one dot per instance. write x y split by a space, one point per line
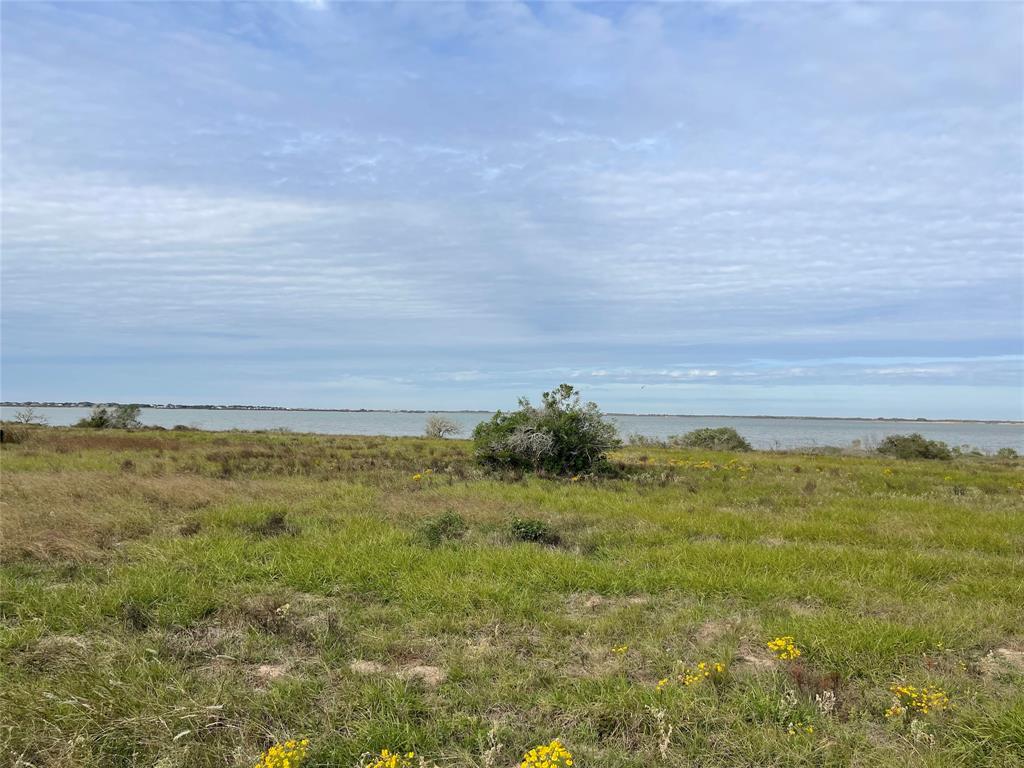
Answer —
364 667
752 662
1001 660
270 672
592 662
714 630
426 674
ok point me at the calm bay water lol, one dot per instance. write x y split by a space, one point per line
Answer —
762 433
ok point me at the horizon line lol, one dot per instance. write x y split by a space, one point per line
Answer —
242 407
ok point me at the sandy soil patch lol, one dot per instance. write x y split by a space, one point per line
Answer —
364 667
426 674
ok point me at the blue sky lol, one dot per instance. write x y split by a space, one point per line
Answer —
784 209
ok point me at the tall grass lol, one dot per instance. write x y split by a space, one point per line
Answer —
189 599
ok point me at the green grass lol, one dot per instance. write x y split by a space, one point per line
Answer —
186 599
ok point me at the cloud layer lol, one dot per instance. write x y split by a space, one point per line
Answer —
679 207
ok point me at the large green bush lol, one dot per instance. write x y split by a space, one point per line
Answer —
914 446
720 439
562 436
120 417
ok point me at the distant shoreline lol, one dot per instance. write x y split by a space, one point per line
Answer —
179 407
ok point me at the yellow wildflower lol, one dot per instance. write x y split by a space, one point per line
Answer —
700 673
909 698
389 759
784 648
552 755
288 754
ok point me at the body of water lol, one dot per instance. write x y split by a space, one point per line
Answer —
762 433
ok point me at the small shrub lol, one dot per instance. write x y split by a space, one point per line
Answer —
720 439
532 530
120 417
1007 453
563 436
440 427
448 527
135 616
13 434
914 446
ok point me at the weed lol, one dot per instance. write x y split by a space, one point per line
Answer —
450 526
536 531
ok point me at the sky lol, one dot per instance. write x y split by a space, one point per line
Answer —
787 209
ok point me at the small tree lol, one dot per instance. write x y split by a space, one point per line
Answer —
98 419
127 417
29 415
720 439
563 436
440 426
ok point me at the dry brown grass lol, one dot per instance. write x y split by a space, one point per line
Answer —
83 516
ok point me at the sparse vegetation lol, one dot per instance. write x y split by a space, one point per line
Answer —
712 439
563 436
915 446
233 593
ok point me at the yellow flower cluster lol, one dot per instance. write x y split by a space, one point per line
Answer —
420 475
620 649
389 759
552 755
909 698
695 675
784 648
700 673
288 754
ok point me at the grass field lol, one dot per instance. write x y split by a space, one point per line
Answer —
190 598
